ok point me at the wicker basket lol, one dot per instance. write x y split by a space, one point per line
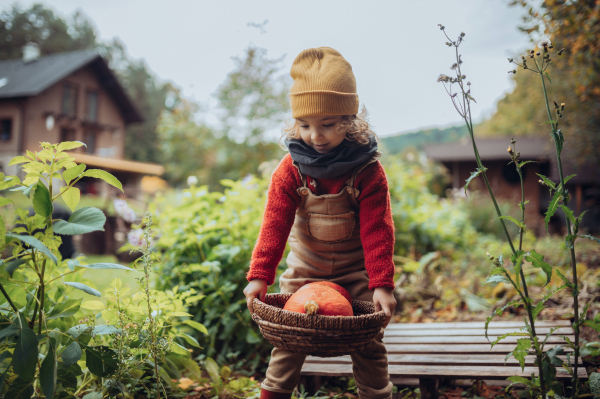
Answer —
316 335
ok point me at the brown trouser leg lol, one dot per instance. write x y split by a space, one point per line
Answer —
283 372
370 370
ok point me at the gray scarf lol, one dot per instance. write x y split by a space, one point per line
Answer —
340 160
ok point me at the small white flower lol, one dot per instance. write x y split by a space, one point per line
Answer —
192 180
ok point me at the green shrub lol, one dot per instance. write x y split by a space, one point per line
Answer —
207 241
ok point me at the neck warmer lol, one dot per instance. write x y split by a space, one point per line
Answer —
340 160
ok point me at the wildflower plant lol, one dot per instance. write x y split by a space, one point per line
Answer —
529 341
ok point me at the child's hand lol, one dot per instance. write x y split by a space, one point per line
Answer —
383 298
255 289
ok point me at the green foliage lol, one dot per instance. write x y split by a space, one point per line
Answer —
207 239
36 298
40 25
545 361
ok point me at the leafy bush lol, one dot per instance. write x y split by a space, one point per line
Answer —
43 349
207 240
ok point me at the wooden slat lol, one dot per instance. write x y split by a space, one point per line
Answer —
473 324
408 371
469 332
440 360
457 349
554 339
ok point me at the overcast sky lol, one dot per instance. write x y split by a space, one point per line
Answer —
395 47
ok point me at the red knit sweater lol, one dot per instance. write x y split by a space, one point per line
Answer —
376 223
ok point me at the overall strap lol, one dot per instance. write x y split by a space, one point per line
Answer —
360 167
302 177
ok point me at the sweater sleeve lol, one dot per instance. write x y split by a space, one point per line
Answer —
280 211
376 226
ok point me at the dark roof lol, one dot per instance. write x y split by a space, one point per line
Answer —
31 78
531 148
490 149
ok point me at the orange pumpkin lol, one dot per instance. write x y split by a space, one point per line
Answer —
320 299
336 287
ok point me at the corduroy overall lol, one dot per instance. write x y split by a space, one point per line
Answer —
325 245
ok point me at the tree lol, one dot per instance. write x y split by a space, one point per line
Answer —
41 26
572 25
252 100
254 96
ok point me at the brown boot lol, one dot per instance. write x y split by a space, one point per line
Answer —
264 394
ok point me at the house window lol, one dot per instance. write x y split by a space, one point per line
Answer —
67 135
91 105
69 101
90 141
5 129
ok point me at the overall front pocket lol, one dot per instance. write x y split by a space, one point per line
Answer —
331 228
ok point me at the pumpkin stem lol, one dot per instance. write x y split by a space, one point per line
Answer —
311 307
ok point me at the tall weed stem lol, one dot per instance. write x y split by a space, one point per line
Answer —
565 199
464 110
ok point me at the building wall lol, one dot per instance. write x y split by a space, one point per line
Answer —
10 109
507 191
109 127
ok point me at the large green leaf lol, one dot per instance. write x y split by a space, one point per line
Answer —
69 145
84 288
34 243
5 201
42 203
47 375
101 360
213 371
71 354
73 172
538 261
18 160
71 196
553 355
9 181
21 388
106 266
25 354
196 325
64 309
67 375
105 329
521 351
83 220
191 340
104 175
14 265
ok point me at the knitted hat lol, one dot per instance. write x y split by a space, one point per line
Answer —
323 84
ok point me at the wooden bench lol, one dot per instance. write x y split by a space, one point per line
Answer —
431 352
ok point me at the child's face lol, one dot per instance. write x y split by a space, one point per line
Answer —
320 132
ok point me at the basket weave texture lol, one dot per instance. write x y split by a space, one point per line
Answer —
316 335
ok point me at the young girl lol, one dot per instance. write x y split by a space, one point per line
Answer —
331 192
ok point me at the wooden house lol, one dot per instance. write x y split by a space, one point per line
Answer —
584 188
72 96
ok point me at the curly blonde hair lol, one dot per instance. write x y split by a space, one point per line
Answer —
356 127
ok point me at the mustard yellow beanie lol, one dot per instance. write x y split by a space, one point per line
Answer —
323 84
